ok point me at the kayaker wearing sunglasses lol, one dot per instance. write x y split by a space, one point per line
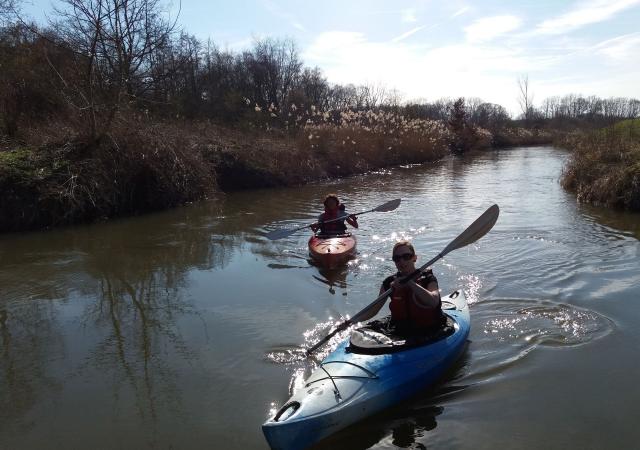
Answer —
415 306
333 209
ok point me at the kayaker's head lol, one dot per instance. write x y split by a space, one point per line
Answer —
404 255
331 203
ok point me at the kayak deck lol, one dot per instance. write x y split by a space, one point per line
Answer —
332 251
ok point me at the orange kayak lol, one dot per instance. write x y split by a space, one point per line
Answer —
331 252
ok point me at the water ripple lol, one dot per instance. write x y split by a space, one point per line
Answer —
540 322
513 328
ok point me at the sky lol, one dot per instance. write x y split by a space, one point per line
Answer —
429 49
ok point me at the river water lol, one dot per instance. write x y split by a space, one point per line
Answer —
182 329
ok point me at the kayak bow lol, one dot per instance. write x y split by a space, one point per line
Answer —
334 251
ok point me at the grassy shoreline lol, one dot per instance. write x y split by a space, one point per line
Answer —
51 177
604 167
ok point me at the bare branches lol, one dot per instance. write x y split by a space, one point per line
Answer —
525 97
117 40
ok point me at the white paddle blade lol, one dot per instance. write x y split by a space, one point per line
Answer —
476 230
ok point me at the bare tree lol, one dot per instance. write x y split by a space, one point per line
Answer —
472 104
491 116
114 40
342 97
372 95
314 87
8 8
525 96
394 98
274 66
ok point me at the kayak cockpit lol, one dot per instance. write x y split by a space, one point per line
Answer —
378 338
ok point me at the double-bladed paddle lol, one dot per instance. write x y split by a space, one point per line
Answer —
475 231
284 232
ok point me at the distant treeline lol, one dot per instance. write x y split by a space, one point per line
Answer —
98 58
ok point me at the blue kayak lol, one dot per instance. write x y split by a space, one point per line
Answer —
364 375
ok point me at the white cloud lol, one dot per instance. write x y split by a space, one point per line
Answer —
403 36
488 28
461 11
328 42
584 14
621 48
274 9
420 71
409 15
481 66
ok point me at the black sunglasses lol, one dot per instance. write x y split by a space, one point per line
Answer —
404 257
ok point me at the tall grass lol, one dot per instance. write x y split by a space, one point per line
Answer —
356 141
54 177
604 167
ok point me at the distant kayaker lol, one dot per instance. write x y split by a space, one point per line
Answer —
415 306
333 209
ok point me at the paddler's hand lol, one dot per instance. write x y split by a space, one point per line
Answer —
396 284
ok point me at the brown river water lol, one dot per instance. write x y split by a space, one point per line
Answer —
183 329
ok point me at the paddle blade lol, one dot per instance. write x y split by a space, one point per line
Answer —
476 230
282 233
389 206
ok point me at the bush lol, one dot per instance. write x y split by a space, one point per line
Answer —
604 167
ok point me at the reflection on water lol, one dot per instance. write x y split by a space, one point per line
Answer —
120 293
334 278
138 332
614 220
182 329
29 335
404 426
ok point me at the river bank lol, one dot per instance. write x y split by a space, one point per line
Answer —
604 167
51 176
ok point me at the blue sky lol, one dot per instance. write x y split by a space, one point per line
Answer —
429 49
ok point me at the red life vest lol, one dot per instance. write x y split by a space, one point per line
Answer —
407 310
337 227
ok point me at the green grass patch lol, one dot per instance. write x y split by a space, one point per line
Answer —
25 165
18 158
630 128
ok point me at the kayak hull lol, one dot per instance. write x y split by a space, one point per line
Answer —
348 387
332 252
